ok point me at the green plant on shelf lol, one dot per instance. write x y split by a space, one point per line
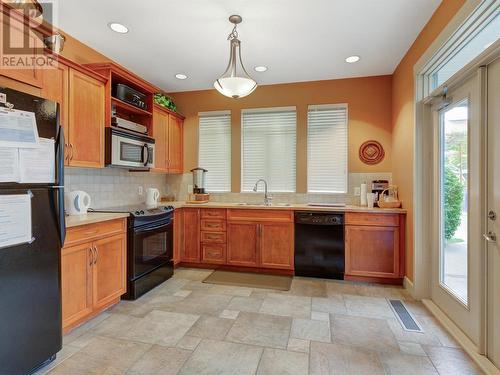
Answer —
165 101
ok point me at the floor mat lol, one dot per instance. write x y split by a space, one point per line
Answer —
250 280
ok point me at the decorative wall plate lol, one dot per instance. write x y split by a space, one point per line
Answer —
371 152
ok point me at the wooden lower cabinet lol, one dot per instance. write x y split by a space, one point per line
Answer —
277 245
110 269
242 244
93 272
190 251
178 235
76 283
374 247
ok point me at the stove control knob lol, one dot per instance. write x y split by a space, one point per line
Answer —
142 212
137 213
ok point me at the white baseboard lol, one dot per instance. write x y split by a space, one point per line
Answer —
408 285
467 345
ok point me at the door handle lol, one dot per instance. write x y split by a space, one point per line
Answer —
91 251
96 254
490 237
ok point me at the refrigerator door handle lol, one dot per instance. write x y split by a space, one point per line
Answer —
60 185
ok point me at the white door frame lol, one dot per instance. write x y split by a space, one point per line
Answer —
423 182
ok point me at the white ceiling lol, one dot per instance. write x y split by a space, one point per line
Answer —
299 40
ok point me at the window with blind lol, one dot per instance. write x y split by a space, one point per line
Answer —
214 149
268 148
327 148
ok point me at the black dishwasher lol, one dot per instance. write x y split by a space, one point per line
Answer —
319 244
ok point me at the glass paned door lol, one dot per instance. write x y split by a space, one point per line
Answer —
453 200
458 193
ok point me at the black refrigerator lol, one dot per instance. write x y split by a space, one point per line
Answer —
30 281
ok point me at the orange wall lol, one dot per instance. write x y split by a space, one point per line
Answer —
403 112
368 98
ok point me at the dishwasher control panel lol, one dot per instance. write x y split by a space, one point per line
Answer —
318 218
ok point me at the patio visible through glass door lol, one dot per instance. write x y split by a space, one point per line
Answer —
454 215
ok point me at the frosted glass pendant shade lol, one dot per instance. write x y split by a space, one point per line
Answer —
235 82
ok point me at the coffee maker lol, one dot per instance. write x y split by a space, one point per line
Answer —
378 186
199 194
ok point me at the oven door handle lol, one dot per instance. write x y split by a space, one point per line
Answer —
152 229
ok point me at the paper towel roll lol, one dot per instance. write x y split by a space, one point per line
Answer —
363 194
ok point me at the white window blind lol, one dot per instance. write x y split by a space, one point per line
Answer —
215 149
327 148
268 148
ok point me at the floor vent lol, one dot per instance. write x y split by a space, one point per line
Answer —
408 322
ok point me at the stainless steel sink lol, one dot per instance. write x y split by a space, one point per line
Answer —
262 204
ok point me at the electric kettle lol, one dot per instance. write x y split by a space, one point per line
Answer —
77 202
152 196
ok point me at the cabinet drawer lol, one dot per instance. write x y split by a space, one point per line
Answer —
213 213
213 237
92 231
213 253
355 218
283 216
213 225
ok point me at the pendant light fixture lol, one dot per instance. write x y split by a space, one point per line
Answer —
235 82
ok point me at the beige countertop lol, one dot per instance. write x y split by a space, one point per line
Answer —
92 217
279 206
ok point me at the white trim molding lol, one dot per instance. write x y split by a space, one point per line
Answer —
469 347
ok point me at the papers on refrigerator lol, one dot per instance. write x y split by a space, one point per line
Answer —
18 128
15 219
9 164
37 165
29 165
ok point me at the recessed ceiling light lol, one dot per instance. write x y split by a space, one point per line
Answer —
118 27
352 59
180 76
260 68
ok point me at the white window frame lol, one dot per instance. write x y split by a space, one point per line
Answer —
216 113
242 142
346 174
463 33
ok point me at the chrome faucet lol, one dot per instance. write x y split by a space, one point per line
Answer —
267 198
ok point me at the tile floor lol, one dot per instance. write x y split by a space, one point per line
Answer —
318 327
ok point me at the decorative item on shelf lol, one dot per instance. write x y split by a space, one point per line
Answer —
55 42
165 101
389 198
371 152
199 195
235 82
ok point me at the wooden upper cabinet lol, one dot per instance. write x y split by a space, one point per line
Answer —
276 245
190 251
167 132
109 276
86 120
175 145
160 134
242 244
56 88
26 74
76 282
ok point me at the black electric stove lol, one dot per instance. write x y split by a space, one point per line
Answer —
149 247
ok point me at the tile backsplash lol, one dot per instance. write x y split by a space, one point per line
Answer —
115 187
110 187
178 185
